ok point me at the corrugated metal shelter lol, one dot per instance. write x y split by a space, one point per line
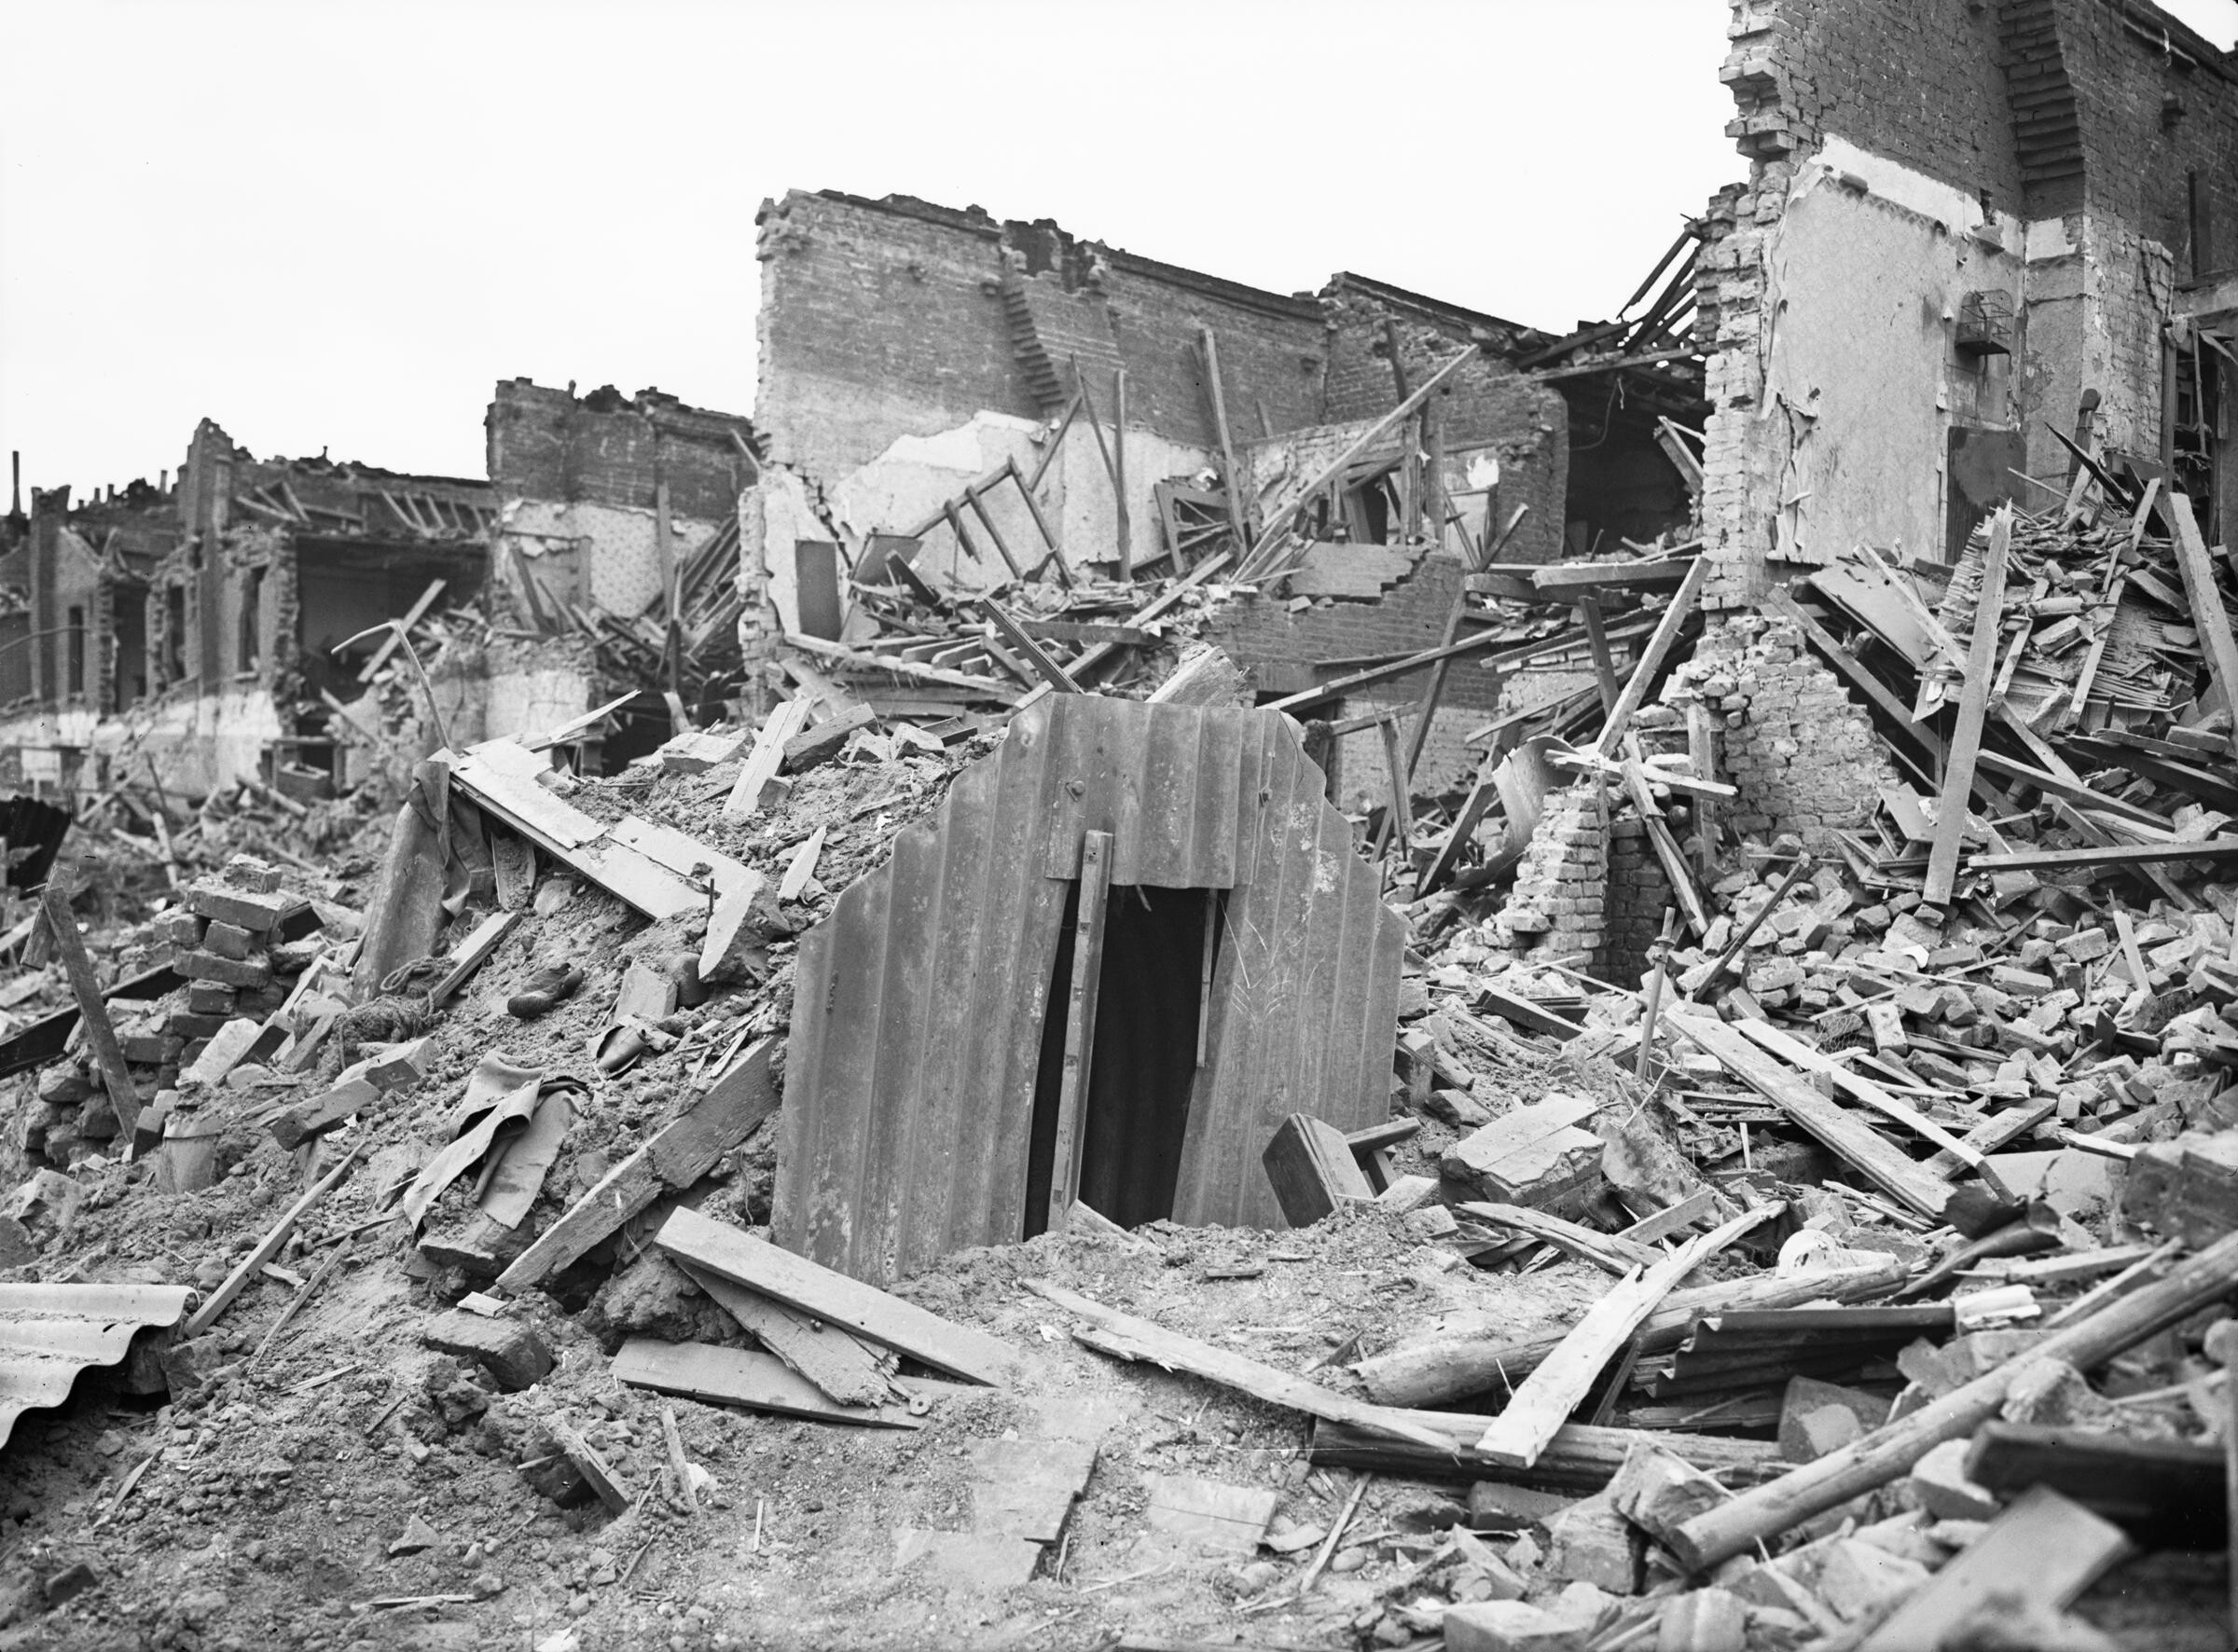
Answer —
48 1333
921 1014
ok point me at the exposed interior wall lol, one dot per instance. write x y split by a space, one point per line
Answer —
585 551
899 317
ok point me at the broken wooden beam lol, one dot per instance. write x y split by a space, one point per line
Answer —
803 1286
679 1155
1767 1510
1651 659
1544 1402
93 1015
1126 1337
1973 705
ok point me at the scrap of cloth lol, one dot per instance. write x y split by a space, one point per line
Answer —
498 1094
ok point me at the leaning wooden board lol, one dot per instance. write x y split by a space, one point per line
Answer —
1888 1166
741 1377
738 1256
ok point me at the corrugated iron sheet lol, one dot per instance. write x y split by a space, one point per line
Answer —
919 1001
48 1333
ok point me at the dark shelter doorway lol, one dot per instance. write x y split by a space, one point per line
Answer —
1159 946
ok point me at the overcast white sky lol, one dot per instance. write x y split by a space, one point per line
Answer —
337 226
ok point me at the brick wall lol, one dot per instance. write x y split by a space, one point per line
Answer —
1555 909
1264 636
1638 895
1919 81
603 449
2147 124
1800 750
888 318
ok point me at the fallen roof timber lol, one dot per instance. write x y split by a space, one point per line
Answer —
655 868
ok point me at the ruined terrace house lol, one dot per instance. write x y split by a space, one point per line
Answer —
909 350
191 626
1973 238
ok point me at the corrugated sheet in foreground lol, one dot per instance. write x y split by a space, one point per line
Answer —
48 1333
920 1000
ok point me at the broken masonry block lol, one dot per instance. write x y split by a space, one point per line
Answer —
210 997
180 927
228 941
251 909
1534 1156
820 744
1815 1418
1657 1492
294 1126
247 871
510 1351
1939 1482
224 1052
208 966
1408 1194
1589 1542
1512 1626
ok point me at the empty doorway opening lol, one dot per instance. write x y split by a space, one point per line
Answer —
1160 947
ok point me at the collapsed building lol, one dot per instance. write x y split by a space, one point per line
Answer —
188 635
1638 920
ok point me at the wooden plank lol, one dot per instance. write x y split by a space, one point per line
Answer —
1973 703
1036 657
473 952
2072 791
1885 1165
1231 481
846 1369
1542 1404
1581 1458
412 616
1676 871
1659 647
734 1254
784 721
1604 663
1448 1368
2213 851
741 1377
1337 467
1313 1170
1002 693
1123 516
2165 1491
1080 1026
1605 1251
1526 1013
1126 1337
1879 1457
1166 600
2044 1548
1565 579
266 1249
2000 1128
93 1015
675 1158
1798 1055
2207 613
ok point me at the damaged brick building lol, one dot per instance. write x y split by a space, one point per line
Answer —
907 348
188 629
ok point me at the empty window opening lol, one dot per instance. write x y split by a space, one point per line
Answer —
77 650
1160 947
249 655
127 617
175 633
